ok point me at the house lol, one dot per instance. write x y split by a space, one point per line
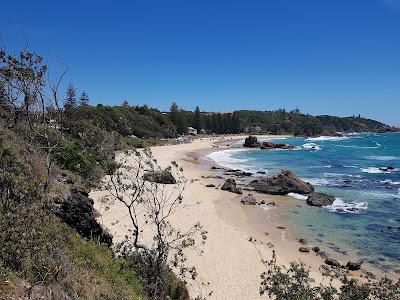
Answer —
192 131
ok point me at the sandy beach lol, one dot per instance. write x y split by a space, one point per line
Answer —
239 236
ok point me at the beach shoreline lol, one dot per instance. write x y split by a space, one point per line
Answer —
239 236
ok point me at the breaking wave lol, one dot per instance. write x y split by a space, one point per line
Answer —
328 138
340 206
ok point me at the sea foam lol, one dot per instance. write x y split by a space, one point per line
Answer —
328 138
340 206
383 158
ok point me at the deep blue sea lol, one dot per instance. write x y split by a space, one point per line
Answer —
365 218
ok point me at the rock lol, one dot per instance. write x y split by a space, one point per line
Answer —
251 142
163 177
332 262
230 186
249 200
304 249
354 265
262 202
281 184
210 185
281 227
302 241
315 249
323 254
77 211
272 203
261 172
319 199
270 245
270 145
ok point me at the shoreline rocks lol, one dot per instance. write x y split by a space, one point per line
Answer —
252 142
320 199
281 184
230 186
249 200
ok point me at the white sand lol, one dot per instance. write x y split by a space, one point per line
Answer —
230 265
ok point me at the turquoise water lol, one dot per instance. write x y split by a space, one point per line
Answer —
365 218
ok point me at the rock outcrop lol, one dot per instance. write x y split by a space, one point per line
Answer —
249 200
230 186
77 211
320 199
163 177
281 184
251 142
270 145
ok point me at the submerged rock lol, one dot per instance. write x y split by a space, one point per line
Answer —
230 186
281 184
163 177
316 249
320 199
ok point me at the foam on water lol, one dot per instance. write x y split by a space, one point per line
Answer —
375 170
225 159
383 158
340 206
311 146
328 138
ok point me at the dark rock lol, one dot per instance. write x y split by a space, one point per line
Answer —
320 199
302 241
261 172
354 265
262 202
210 185
272 203
163 177
323 254
315 249
249 200
251 142
281 184
230 186
332 262
270 145
304 249
281 227
77 211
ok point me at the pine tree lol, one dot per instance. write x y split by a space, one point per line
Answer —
178 118
84 99
197 121
70 100
125 103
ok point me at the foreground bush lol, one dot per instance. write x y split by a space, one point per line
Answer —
294 282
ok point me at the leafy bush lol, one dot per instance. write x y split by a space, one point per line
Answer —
294 282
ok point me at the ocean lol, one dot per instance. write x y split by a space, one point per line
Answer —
362 171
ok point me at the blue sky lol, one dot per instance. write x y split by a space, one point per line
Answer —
323 56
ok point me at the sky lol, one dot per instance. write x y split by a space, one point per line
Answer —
338 57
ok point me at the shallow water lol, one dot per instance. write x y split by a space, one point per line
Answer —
365 218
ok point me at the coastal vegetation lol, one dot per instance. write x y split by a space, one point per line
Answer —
53 150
